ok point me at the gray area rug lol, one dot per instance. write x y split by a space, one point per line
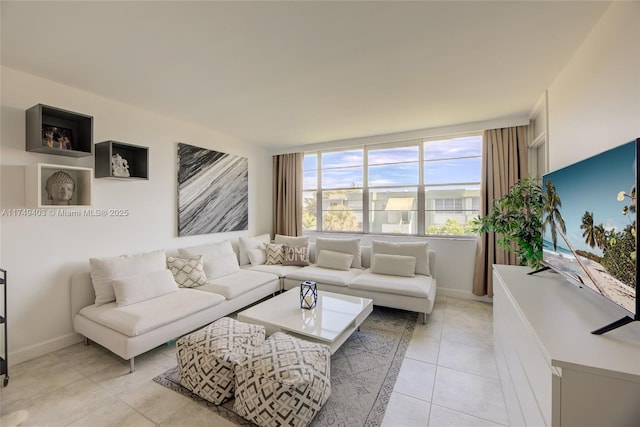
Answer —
363 373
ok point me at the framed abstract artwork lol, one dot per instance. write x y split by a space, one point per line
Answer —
213 191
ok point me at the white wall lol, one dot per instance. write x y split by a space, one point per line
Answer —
594 103
40 253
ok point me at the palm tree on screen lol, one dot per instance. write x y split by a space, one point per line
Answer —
551 204
600 235
589 232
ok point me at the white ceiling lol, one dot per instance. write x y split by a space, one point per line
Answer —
283 74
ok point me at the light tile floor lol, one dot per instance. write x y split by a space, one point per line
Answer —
448 378
449 375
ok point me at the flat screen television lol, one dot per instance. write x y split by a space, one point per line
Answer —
590 217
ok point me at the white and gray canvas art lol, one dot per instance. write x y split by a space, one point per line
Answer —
213 191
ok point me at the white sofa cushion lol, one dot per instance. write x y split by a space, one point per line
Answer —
136 319
219 258
236 284
142 287
325 275
246 244
104 270
291 240
334 260
187 272
393 265
277 269
418 286
258 256
418 250
348 246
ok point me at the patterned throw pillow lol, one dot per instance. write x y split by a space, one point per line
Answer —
296 255
187 272
275 253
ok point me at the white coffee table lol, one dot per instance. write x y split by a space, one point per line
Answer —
331 322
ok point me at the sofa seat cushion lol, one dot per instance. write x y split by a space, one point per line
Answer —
327 276
277 269
236 284
418 286
136 319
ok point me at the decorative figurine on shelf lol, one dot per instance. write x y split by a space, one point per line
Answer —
308 294
60 188
119 166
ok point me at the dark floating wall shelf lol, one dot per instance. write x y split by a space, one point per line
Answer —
133 160
52 130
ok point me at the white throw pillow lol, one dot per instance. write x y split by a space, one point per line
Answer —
245 244
142 287
258 256
219 258
347 246
187 272
418 250
104 270
393 265
334 260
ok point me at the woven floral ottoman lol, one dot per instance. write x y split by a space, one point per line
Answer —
283 382
207 357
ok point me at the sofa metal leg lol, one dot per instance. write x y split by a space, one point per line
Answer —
86 341
424 318
131 367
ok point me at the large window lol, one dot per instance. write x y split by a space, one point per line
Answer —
418 187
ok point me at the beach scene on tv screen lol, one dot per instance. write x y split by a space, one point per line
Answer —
589 213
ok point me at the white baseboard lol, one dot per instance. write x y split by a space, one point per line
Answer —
40 349
457 293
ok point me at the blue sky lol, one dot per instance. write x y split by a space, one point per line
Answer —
593 185
399 165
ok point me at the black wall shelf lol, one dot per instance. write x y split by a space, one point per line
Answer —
136 156
52 130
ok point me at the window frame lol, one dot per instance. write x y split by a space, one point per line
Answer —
366 188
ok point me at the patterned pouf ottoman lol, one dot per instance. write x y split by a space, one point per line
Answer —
283 382
207 357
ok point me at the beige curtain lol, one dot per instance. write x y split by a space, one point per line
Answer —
287 194
504 162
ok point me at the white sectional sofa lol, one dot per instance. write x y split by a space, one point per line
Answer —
148 317
131 304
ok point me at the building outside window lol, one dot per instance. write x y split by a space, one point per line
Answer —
417 187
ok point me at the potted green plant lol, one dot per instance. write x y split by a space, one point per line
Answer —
516 218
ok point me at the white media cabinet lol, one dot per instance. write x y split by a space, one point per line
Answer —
554 372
